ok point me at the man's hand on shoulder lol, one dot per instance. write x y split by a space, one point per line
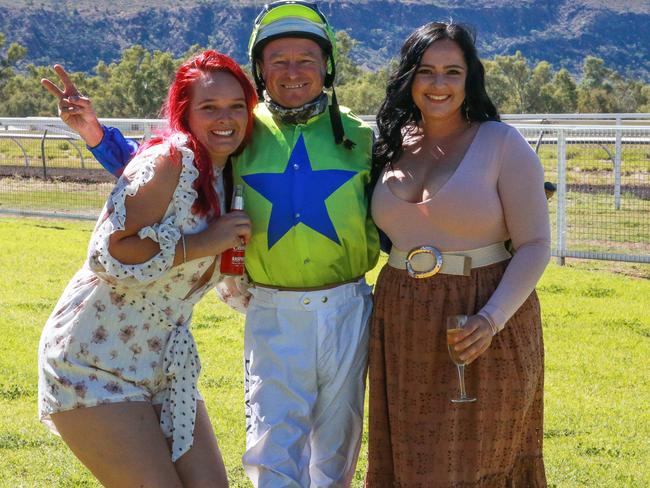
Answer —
75 109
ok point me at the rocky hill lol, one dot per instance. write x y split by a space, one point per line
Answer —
81 33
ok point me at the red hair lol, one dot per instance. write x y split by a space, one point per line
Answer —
175 110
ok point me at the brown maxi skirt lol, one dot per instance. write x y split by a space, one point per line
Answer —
417 437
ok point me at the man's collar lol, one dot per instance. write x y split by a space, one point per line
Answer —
298 115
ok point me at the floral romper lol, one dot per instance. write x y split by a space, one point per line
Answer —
121 332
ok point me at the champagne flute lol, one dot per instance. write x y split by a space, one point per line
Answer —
455 324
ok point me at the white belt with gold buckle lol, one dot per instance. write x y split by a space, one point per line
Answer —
437 264
426 261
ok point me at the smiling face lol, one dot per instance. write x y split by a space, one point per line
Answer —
438 88
293 70
217 114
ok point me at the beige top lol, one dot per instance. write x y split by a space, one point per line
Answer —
495 194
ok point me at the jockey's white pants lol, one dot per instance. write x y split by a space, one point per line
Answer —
305 367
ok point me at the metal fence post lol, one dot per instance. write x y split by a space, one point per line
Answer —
25 155
561 197
43 154
81 156
618 149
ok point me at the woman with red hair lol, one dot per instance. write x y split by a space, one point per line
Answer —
118 365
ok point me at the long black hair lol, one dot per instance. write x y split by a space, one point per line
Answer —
398 109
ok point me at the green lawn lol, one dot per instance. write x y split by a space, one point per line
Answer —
593 224
53 196
597 336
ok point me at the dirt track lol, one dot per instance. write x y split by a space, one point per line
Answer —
76 175
639 191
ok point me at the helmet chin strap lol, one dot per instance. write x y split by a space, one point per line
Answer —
337 124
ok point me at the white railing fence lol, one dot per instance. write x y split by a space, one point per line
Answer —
600 164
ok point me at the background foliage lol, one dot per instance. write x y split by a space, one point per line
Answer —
135 86
79 33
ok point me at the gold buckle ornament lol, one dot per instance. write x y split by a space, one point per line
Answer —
423 250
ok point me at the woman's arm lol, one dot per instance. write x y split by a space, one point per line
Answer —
147 208
525 208
144 209
521 190
137 238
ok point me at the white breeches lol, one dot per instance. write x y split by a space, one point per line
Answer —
305 367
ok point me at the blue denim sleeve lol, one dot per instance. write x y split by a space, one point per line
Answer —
114 151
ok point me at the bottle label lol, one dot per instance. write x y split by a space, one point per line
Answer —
232 261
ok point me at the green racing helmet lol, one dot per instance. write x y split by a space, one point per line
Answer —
293 18
300 19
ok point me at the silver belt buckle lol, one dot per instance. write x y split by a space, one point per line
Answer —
423 250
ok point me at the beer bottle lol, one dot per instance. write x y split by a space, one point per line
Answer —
232 260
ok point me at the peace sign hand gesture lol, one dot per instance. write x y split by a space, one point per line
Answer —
75 109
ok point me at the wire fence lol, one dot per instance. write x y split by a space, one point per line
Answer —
601 209
46 169
602 206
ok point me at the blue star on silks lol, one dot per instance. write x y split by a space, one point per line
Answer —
299 194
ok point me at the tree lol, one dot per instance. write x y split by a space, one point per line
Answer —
516 88
365 94
539 89
594 89
596 100
24 96
20 94
346 69
565 95
594 74
14 53
627 95
514 75
360 90
645 93
135 86
497 86
604 90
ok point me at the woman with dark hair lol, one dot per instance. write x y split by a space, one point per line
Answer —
118 366
453 184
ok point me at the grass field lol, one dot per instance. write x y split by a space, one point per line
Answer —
53 196
58 153
597 338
